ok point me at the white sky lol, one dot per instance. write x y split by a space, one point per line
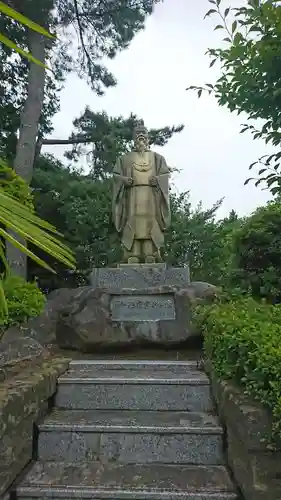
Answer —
152 74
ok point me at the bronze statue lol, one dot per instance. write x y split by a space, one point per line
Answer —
141 210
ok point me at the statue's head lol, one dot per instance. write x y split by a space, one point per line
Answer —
141 138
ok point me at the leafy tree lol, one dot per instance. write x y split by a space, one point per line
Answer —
257 253
103 139
103 29
197 238
16 214
81 208
80 205
251 75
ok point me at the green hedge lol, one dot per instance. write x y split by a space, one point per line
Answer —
243 340
24 301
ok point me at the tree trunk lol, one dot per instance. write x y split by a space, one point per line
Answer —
26 144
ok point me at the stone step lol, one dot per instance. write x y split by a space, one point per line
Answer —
137 389
131 437
99 481
171 366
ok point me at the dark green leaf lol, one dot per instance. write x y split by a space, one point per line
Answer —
275 190
252 165
248 180
271 181
211 11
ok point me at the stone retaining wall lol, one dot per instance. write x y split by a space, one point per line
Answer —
255 466
23 400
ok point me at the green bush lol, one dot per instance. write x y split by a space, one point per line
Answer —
14 185
243 340
257 253
24 300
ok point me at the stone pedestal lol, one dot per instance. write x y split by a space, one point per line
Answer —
128 306
145 300
139 276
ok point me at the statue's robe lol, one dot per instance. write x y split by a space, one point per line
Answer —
141 211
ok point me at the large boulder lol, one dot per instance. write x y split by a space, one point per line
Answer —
96 318
84 322
82 318
202 292
43 327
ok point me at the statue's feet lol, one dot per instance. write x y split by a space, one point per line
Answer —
149 259
133 260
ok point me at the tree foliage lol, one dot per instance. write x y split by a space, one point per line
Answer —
103 29
80 205
14 82
251 74
17 211
103 139
257 253
24 21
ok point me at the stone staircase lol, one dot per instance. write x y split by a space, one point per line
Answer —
124 430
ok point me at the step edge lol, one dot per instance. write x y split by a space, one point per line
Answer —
132 381
131 429
109 493
148 362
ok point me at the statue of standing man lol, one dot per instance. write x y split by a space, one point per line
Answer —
141 210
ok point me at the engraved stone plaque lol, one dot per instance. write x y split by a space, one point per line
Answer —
143 308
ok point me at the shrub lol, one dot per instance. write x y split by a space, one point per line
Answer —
257 253
14 185
24 300
242 338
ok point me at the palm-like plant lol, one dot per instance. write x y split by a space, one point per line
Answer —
13 214
8 11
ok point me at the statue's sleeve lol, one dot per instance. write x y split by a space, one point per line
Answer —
163 176
118 197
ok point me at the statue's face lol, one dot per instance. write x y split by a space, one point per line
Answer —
141 142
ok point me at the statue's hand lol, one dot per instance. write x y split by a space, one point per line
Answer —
128 181
153 181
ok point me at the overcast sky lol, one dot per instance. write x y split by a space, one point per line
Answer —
212 155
